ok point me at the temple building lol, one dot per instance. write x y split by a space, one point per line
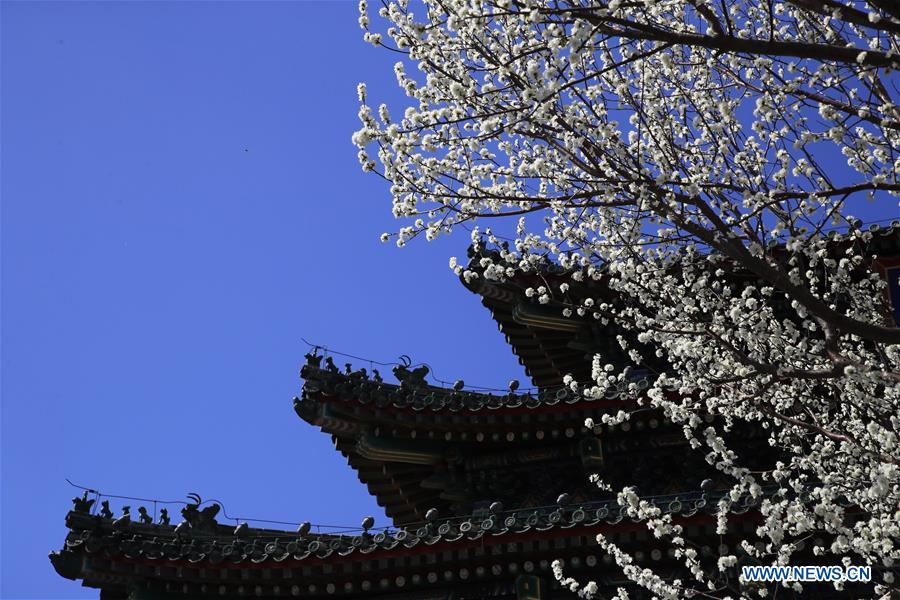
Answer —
484 489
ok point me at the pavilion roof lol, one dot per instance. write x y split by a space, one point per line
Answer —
418 396
550 346
401 438
481 549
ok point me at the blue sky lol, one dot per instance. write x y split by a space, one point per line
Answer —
181 203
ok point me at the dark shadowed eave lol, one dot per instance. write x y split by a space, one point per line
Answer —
417 446
482 555
550 346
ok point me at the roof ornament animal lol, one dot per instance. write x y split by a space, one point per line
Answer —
313 359
304 528
164 517
124 520
200 519
410 378
368 523
83 504
104 510
143 517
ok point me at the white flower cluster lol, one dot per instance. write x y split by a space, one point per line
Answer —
672 152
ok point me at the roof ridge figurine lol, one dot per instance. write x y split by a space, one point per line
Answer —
83 504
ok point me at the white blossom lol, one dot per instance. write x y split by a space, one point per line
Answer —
665 158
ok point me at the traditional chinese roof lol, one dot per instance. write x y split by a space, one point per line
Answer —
418 446
478 556
425 450
879 240
420 397
550 345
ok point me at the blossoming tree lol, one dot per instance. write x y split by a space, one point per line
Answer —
663 146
